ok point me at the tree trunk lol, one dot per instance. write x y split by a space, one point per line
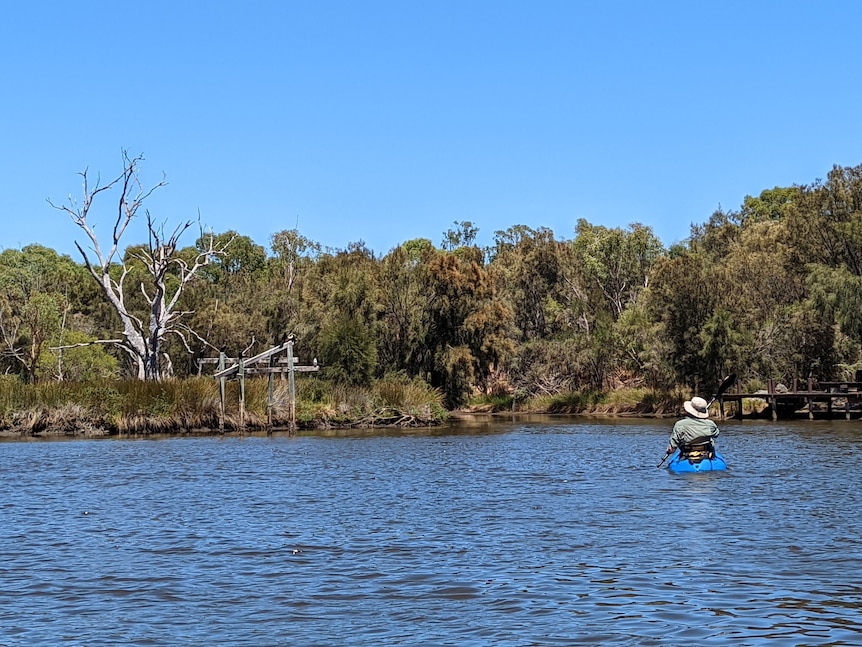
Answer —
142 336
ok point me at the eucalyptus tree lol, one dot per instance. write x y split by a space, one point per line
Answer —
529 267
728 301
770 205
529 264
165 274
440 317
617 261
294 259
825 228
401 299
825 221
37 288
605 272
243 260
45 302
463 235
30 312
339 301
226 301
468 327
680 301
717 236
775 266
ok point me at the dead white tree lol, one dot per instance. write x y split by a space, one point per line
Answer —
142 336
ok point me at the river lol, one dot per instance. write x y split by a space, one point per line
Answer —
507 533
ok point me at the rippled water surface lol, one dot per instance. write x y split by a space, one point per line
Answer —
548 532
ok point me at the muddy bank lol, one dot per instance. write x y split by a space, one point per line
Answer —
90 429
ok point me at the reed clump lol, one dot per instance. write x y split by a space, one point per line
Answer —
394 400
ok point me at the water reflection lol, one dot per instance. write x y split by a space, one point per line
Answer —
504 532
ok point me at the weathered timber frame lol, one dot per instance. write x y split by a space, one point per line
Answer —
239 367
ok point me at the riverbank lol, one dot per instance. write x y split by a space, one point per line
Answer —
192 406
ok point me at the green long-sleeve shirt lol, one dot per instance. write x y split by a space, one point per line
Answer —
687 429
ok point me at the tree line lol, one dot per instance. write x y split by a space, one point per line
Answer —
770 290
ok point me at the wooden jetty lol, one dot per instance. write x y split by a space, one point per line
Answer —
812 398
266 363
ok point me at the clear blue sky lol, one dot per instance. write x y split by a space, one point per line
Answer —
386 120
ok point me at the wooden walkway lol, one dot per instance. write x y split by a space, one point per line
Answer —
811 398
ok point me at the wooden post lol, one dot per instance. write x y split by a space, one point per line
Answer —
221 383
241 377
770 388
809 386
269 398
291 388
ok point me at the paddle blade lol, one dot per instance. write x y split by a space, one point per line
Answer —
726 383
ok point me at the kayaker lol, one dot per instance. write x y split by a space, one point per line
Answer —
694 425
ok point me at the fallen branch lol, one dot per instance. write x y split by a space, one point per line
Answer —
87 343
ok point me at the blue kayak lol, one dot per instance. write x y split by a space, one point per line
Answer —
681 464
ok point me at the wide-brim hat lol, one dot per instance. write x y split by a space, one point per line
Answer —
696 407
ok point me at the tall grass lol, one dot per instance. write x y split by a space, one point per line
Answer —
393 400
136 407
631 401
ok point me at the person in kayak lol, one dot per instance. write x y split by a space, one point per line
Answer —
694 428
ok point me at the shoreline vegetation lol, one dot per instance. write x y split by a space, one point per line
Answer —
192 406
607 323
133 408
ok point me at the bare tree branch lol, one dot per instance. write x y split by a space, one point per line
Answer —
141 341
181 327
86 343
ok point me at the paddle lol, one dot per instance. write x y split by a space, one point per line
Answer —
726 383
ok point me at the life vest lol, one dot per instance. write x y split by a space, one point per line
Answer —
698 449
